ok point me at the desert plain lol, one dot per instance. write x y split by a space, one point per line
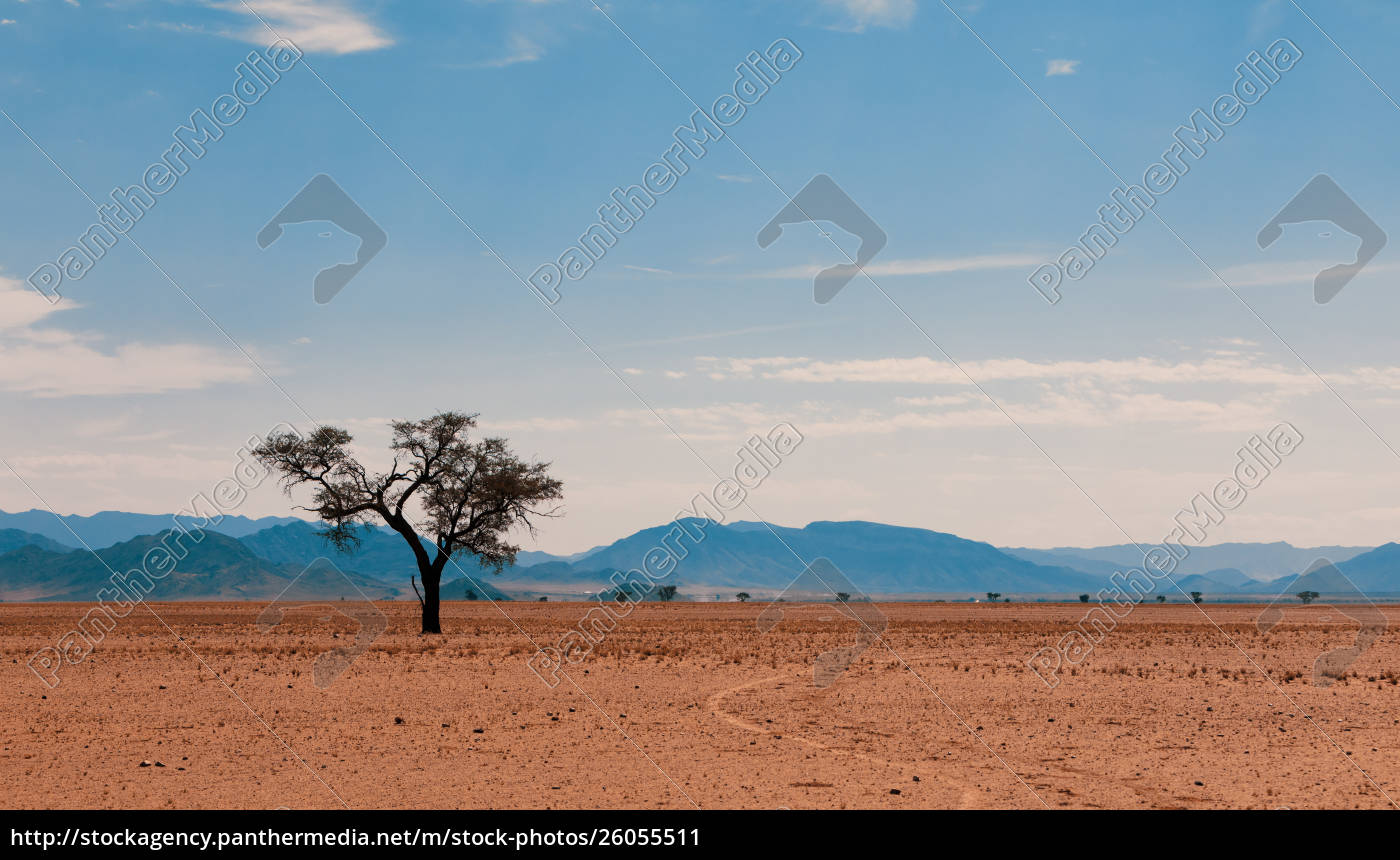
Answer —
197 705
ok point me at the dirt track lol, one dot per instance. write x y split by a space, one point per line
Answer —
691 703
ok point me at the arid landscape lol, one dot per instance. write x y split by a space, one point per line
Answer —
690 703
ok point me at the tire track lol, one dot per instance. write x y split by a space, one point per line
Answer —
970 793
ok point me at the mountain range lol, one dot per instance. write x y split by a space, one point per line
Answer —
876 558
1256 561
261 557
217 567
110 527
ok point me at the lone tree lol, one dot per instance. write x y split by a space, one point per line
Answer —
666 593
1161 598
1196 597
446 495
843 597
993 596
742 597
1308 596
1083 598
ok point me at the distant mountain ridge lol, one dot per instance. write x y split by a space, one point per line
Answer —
12 539
877 558
719 559
112 527
382 554
1258 561
217 567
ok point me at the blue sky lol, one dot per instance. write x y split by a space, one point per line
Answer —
972 133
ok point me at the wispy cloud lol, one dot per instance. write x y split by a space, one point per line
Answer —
857 15
733 177
21 307
44 361
1137 372
315 26
521 49
918 266
1285 273
1047 408
1061 67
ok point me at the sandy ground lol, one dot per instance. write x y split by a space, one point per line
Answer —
690 704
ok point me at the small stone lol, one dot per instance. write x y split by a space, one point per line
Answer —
398 721
894 791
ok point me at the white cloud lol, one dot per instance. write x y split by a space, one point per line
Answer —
860 14
21 307
922 266
522 49
1046 408
733 177
924 370
1061 67
91 467
1285 273
75 368
315 26
52 362
649 269
940 400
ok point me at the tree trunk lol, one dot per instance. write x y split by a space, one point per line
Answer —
431 602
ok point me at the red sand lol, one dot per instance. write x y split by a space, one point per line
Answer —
690 703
